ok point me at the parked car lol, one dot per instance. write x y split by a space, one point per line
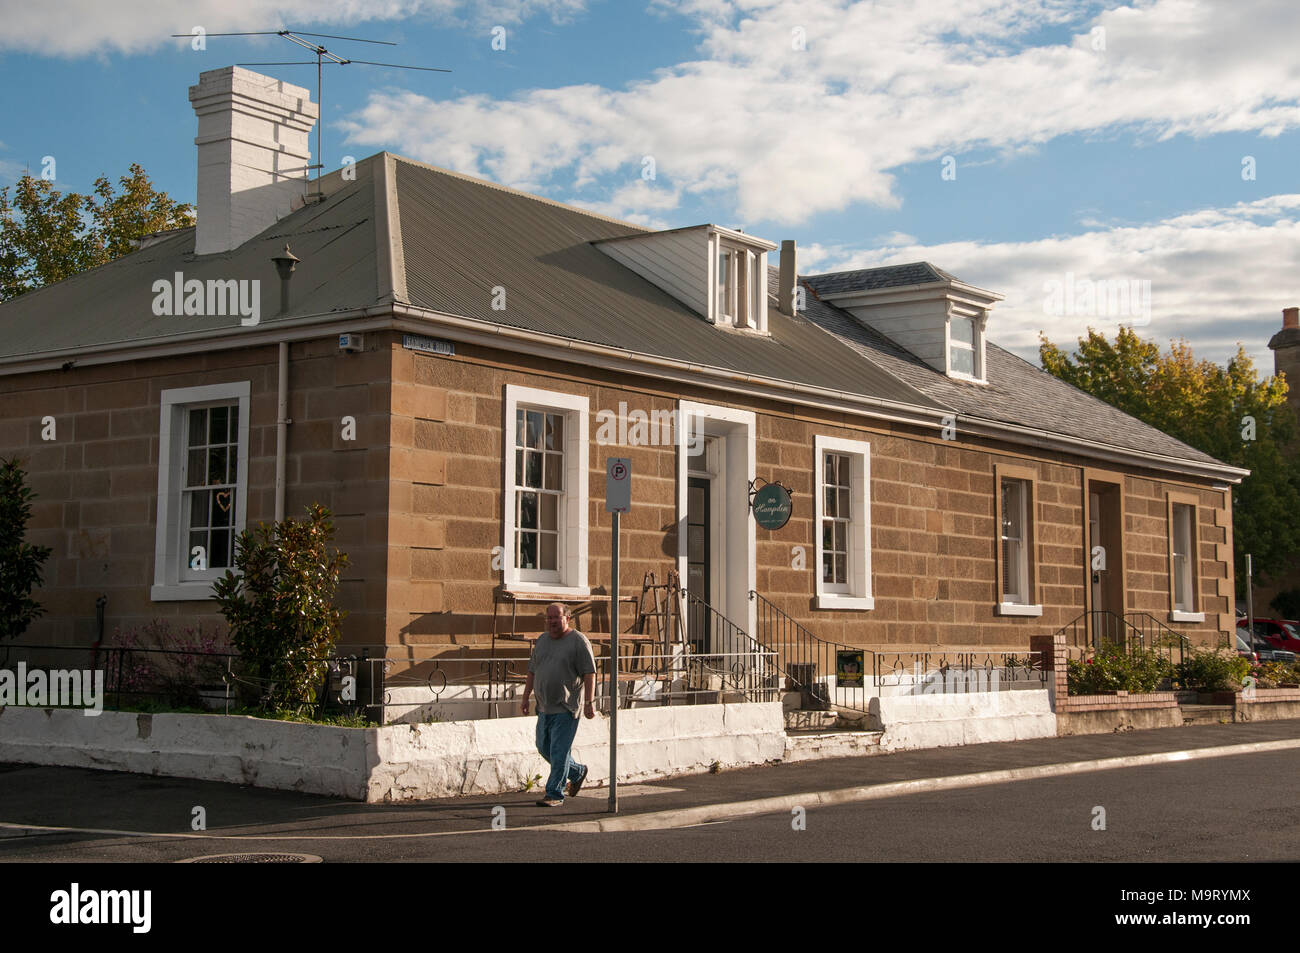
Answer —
1278 633
1273 641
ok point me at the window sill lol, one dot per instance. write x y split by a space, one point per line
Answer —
1016 608
835 600
515 587
1178 615
182 592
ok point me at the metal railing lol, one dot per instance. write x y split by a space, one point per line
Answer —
949 672
135 677
708 631
807 659
1134 633
1154 635
455 688
1092 630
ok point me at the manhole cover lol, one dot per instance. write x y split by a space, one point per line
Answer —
253 859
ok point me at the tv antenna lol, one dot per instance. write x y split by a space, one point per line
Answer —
323 58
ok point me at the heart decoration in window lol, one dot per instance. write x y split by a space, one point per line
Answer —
223 500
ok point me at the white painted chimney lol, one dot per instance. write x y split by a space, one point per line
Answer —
253 154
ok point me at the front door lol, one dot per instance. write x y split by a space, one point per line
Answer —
1105 562
698 559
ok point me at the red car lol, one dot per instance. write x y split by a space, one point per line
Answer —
1278 634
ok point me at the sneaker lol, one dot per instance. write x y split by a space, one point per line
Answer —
576 786
550 802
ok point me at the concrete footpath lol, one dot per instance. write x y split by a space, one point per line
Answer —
43 803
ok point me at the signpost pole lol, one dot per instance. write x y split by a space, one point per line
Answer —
618 500
613 673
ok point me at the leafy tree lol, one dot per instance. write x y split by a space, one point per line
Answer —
47 235
20 562
1226 412
1287 604
280 609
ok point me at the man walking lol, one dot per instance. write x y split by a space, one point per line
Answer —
561 666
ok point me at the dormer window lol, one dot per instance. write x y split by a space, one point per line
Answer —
962 344
736 282
727 284
719 273
941 320
965 348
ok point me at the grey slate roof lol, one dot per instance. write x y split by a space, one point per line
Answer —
873 279
1017 392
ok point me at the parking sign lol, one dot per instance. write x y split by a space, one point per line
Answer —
618 485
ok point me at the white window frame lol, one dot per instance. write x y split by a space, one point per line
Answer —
745 287
1025 604
976 348
1183 507
173 579
571 578
857 594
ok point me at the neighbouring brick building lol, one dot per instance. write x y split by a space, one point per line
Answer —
944 490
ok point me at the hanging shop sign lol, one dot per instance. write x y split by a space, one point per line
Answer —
772 504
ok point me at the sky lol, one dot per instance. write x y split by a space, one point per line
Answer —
1041 149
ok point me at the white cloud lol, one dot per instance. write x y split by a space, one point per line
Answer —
793 133
132 26
1217 276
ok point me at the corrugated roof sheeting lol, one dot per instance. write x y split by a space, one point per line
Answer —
462 238
114 303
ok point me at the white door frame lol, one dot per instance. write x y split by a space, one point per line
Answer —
733 553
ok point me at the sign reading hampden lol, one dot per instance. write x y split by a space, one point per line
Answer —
772 506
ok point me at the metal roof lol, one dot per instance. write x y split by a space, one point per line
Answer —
461 238
113 304
412 233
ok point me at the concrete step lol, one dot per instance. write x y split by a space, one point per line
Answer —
1206 714
809 745
796 720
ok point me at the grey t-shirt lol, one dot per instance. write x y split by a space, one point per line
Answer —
558 666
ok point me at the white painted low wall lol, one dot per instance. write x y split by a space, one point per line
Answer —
399 762
938 720
318 759
489 757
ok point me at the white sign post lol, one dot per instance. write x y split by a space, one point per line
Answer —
618 499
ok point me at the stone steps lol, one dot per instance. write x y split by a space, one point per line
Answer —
809 745
1206 714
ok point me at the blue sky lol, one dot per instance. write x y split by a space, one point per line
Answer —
1082 141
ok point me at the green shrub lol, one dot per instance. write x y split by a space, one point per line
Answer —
1214 670
1112 669
20 562
280 608
1273 674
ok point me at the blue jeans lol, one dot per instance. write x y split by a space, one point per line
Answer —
555 734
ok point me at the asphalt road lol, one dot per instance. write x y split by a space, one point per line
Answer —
1240 808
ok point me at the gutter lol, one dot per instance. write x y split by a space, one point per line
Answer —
403 317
